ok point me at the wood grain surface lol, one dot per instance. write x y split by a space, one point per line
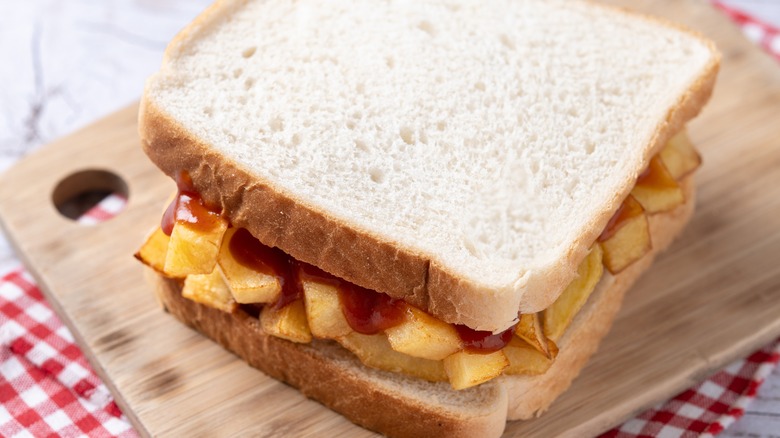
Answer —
713 297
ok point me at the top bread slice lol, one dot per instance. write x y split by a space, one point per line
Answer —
461 155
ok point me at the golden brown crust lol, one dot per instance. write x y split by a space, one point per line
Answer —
314 236
530 396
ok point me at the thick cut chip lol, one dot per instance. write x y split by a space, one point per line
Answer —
289 322
323 310
154 250
375 351
557 317
627 237
193 250
421 335
210 290
466 369
526 359
529 329
657 190
247 285
679 156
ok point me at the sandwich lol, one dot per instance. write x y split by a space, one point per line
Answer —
433 206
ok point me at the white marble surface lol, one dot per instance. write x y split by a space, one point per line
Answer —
68 63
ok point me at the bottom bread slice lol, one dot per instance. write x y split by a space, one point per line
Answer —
326 372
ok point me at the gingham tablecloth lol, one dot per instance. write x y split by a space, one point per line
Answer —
47 388
759 31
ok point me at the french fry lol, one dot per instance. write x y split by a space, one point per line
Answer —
424 336
679 156
153 252
289 322
627 238
557 317
657 190
530 330
375 351
210 290
466 369
247 285
192 250
526 359
323 310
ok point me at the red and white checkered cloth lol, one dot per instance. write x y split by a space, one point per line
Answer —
760 32
47 388
708 408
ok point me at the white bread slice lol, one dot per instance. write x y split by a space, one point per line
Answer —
461 155
326 372
410 407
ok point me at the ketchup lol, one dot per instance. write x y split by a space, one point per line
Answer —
478 341
656 175
248 251
188 207
366 311
369 312
630 208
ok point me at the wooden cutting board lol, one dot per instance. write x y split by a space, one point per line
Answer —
713 297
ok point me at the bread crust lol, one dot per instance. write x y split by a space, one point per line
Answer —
313 235
344 385
348 387
529 396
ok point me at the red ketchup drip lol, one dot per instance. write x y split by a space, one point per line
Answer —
248 251
366 311
188 207
369 312
656 175
477 341
644 176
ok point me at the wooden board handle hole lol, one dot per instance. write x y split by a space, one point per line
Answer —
78 195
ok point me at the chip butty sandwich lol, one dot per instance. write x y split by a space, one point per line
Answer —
432 206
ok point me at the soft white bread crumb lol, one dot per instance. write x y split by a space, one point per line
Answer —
490 140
